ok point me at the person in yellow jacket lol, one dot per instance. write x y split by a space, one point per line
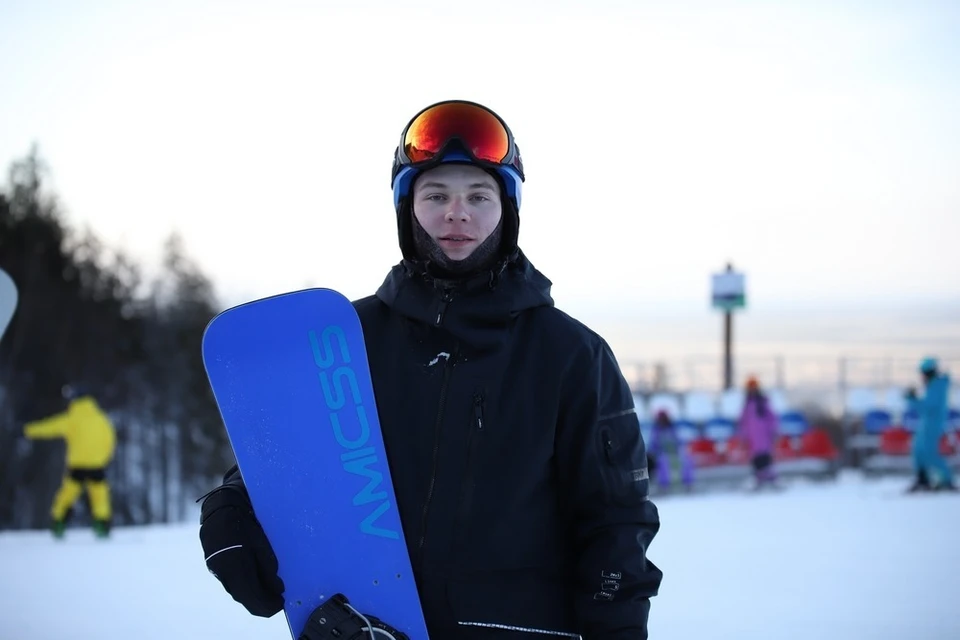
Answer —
91 440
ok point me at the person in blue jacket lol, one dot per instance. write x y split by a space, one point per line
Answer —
932 411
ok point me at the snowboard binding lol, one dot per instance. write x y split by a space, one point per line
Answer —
335 619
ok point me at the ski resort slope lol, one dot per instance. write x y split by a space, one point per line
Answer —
845 560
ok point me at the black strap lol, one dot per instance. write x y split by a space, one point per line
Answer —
334 620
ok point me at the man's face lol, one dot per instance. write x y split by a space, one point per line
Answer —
458 206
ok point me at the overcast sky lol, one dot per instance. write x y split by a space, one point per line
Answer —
815 144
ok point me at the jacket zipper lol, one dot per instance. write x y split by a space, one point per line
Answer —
445 300
447 371
466 490
510 627
478 410
608 446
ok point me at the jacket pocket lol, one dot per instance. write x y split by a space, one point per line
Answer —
623 462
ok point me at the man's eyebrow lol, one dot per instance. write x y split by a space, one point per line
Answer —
431 185
486 184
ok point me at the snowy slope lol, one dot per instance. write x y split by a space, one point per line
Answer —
845 560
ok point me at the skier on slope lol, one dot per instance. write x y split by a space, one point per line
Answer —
932 411
91 441
517 460
758 426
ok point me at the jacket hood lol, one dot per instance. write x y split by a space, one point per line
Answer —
475 309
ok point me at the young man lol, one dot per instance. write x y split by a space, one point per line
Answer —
514 447
91 441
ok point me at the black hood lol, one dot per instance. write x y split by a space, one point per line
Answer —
477 309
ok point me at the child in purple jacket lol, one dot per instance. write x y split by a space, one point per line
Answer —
758 429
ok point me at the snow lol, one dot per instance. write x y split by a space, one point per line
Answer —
841 560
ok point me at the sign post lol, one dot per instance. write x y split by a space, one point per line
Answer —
728 295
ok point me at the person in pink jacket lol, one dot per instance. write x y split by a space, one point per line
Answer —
758 429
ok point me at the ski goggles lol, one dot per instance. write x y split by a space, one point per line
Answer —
481 133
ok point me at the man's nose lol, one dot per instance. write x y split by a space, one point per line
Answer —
458 209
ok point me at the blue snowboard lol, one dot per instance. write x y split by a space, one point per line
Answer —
291 379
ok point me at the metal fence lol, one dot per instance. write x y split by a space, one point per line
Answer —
828 382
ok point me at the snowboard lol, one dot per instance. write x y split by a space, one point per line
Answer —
290 376
8 300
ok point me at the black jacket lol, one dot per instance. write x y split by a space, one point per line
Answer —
516 455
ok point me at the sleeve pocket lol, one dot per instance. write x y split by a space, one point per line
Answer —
623 462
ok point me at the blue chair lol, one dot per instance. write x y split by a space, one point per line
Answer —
793 423
953 420
686 430
876 421
719 429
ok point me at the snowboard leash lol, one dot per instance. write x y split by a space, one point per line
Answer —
336 619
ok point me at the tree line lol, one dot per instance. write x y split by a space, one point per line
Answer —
87 315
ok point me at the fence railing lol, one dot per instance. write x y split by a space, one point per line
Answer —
827 381
785 372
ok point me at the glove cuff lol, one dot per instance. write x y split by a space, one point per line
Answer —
224 496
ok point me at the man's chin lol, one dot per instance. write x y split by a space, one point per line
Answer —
458 255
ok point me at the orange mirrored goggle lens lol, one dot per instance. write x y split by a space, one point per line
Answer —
479 130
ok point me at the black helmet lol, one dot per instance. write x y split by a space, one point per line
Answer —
72 391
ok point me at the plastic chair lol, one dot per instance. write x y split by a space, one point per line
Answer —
704 452
699 406
877 421
778 401
730 404
686 431
953 420
736 451
947 445
719 429
896 441
793 423
786 448
816 443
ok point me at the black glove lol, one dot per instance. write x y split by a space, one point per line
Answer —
237 551
911 394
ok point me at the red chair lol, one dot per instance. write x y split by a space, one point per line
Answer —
816 443
736 451
786 448
895 441
948 446
704 452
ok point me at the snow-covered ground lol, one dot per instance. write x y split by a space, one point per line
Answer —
848 560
